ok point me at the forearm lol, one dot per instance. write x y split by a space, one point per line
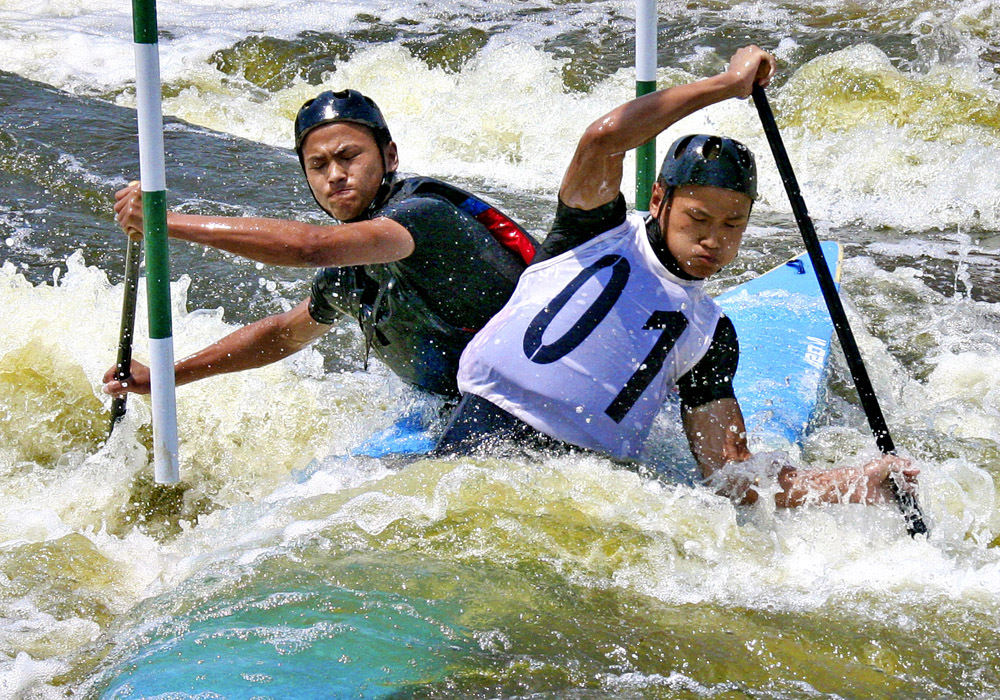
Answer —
636 122
716 434
270 241
844 485
794 487
878 481
256 345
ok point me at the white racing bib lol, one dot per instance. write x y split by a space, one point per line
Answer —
591 341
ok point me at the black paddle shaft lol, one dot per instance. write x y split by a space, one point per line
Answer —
124 363
876 420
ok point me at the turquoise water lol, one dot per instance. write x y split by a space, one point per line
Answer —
568 578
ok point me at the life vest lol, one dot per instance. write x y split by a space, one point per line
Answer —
399 327
506 232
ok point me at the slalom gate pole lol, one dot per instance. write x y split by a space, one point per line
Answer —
869 402
154 211
645 83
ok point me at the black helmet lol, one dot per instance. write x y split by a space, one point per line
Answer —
710 160
343 106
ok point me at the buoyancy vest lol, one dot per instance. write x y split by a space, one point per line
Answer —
399 327
591 341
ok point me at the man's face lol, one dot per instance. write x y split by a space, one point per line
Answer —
703 226
344 167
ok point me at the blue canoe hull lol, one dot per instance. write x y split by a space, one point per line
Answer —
785 334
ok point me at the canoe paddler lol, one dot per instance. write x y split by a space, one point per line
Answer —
421 265
613 315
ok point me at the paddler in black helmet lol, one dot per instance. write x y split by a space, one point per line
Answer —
420 264
612 315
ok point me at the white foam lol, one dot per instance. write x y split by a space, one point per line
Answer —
506 117
24 677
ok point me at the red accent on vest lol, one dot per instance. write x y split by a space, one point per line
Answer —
508 234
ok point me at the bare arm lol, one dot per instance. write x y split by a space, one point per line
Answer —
595 173
260 343
717 436
277 241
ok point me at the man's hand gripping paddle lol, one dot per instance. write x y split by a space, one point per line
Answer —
907 501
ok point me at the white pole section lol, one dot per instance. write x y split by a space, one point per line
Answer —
645 83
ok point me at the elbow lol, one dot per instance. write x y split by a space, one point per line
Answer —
599 138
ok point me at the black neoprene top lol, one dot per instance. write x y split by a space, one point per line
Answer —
429 304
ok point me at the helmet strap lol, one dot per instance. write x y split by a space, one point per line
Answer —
381 195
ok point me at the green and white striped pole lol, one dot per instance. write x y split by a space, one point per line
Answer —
166 469
645 83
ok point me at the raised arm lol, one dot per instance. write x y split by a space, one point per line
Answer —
277 241
595 173
260 343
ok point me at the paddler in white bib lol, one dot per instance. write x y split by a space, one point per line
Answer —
612 315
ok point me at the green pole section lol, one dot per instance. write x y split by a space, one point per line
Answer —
144 21
645 157
154 216
154 210
645 83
